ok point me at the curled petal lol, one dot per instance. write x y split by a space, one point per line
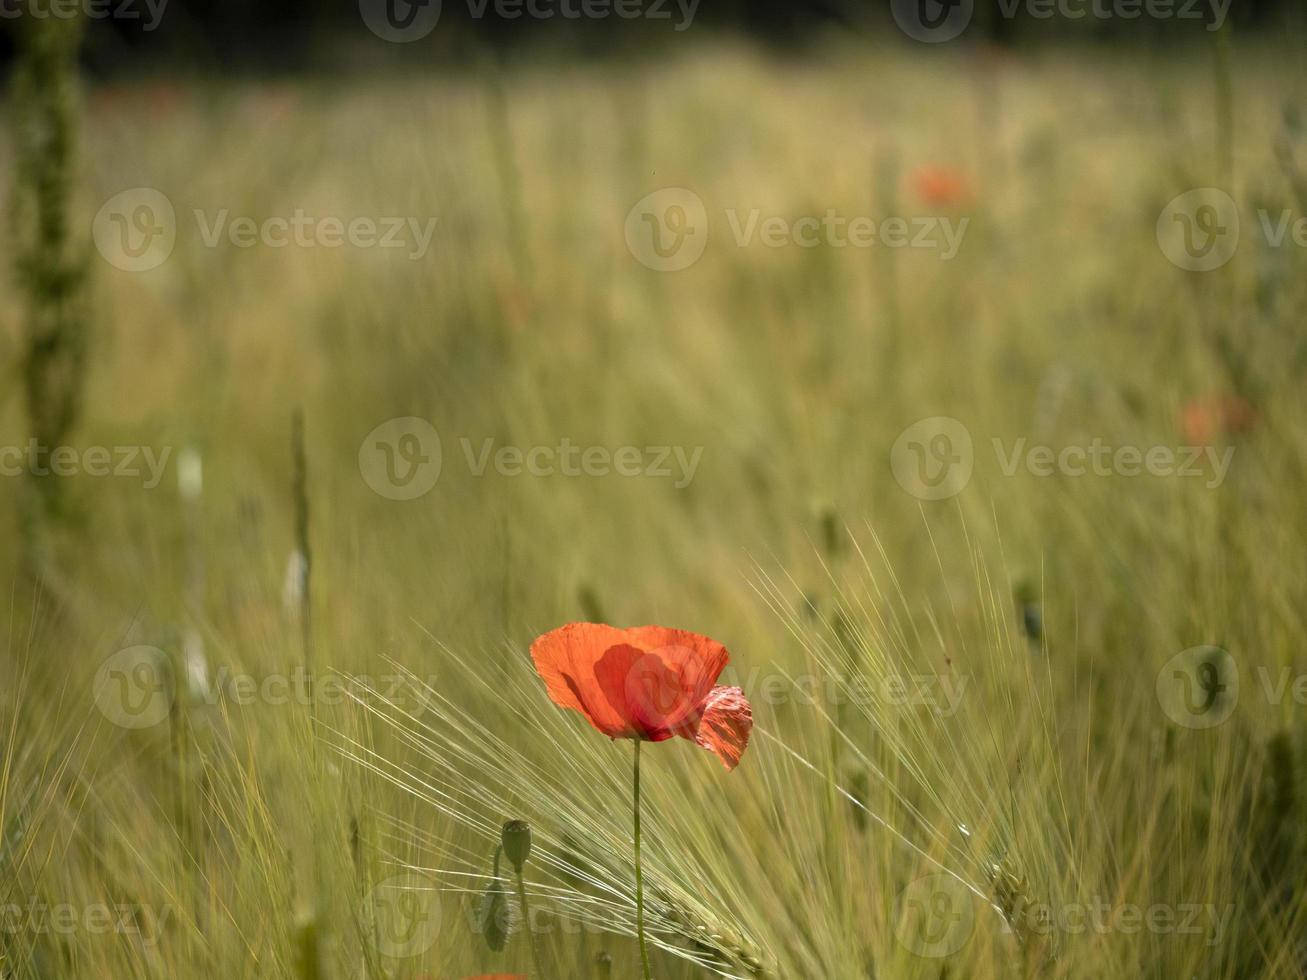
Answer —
725 721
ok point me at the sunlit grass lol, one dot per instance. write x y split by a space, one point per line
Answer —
264 833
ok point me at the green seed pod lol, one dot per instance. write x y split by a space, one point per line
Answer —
516 837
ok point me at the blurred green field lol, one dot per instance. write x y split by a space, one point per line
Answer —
267 837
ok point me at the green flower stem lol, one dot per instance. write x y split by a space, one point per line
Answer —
526 924
639 874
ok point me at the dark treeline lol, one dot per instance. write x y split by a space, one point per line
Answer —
140 36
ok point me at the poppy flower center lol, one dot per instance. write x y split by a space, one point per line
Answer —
648 689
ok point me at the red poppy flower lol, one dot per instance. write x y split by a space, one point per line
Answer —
648 682
941 186
1205 420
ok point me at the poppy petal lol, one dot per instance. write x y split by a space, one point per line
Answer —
682 647
641 689
565 659
694 675
725 722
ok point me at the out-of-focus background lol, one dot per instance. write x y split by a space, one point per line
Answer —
944 361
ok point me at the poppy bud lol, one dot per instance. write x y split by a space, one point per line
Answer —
1032 620
593 609
493 916
516 837
493 913
831 538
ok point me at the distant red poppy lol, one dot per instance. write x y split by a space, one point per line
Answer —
155 98
1206 420
646 683
941 186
